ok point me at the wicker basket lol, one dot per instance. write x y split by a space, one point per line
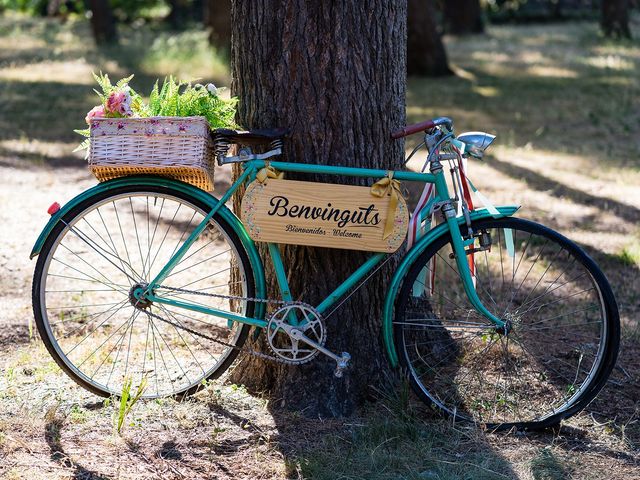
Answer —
175 147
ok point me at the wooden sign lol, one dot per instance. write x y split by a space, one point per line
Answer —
322 215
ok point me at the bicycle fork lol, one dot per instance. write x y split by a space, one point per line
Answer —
448 210
449 213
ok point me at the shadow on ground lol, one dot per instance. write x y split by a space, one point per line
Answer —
52 436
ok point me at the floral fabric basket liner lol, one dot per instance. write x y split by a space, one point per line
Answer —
175 147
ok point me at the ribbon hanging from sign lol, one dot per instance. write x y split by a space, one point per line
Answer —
268 172
383 187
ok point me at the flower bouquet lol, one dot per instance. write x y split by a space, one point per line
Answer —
168 136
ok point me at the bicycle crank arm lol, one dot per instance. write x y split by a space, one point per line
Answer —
342 361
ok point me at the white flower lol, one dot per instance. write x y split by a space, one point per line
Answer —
211 88
125 106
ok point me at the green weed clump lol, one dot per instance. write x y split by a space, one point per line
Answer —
127 401
629 256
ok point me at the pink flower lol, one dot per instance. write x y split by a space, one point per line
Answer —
119 103
95 112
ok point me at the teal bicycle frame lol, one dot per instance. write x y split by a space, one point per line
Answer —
249 173
452 226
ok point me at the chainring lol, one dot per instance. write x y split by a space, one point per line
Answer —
282 344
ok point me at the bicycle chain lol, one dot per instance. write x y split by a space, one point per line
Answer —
249 351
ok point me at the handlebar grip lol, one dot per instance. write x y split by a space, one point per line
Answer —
415 128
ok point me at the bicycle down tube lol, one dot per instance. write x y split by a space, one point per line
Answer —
250 169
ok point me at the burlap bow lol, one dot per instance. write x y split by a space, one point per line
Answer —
268 172
383 187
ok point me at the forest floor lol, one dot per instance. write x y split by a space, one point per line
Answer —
565 105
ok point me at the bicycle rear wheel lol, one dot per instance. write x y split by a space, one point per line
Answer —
563 338
95 257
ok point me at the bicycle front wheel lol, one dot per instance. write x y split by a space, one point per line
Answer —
563 334
105 248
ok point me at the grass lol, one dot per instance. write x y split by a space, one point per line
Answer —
128 401
546 466
559 89
46 84
564 105
630 255
388 448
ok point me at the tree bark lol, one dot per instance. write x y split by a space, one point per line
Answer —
426 55
334 73
615 18
217 18
103 23
463 16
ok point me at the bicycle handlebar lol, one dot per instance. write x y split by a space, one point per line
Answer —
421 127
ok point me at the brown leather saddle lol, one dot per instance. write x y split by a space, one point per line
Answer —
250 137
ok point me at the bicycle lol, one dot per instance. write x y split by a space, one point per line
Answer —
494 319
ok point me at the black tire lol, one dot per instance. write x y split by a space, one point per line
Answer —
99 267
551 364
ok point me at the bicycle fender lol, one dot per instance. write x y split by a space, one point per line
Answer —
206 198
407 262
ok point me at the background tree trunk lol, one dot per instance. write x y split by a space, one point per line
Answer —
53 7
615 18
103 24
555 9
217 17
178 13
463 16
426 55
333 72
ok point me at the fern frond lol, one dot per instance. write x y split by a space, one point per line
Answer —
85 132
104 82
124 81
86 143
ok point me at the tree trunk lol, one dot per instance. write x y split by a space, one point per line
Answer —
463 16
53 7
217 17
334 73
103 24
615 18
426 55
178 13
555 9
